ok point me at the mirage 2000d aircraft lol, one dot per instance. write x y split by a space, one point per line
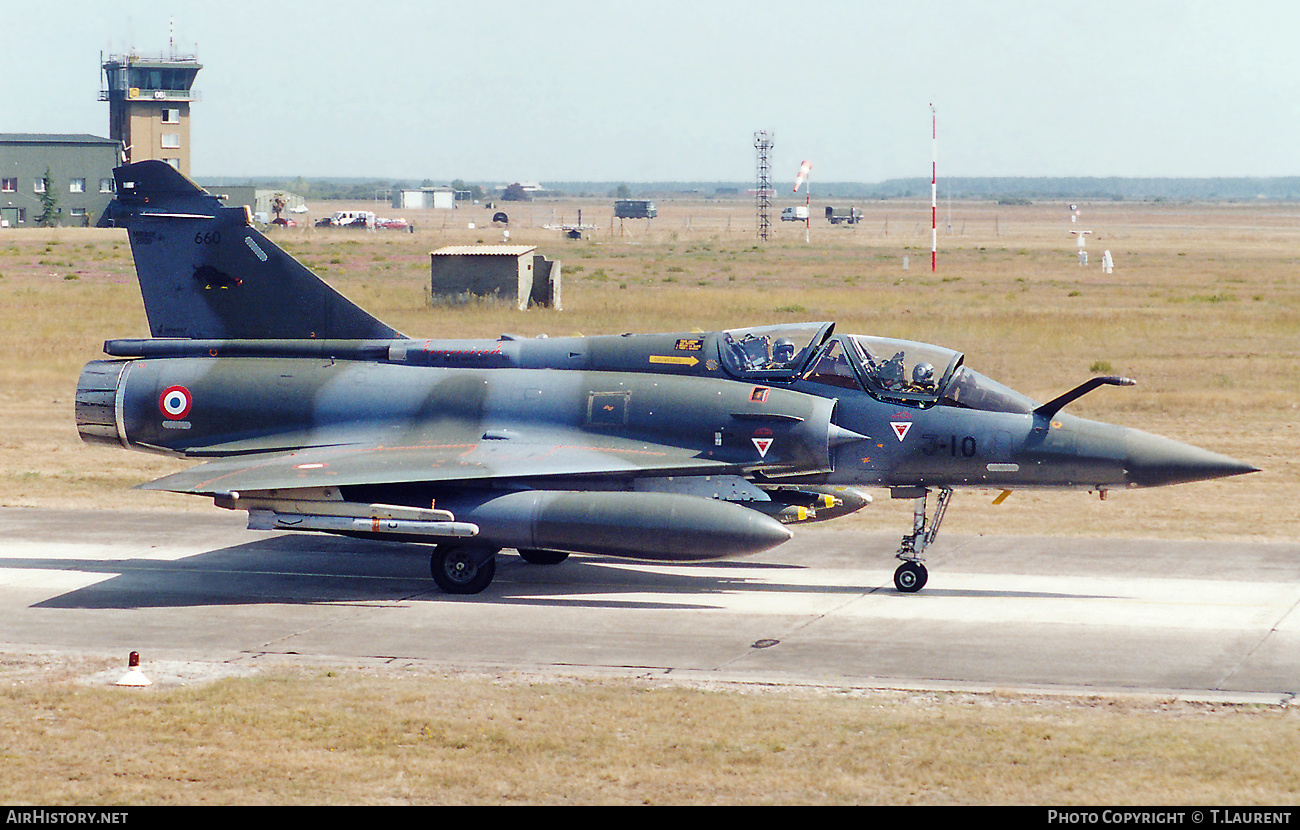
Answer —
314 416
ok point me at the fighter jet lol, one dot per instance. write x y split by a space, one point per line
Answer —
312 415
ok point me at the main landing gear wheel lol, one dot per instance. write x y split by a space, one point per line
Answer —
462 570
534 556
910 577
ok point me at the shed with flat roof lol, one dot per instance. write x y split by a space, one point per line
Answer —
507 272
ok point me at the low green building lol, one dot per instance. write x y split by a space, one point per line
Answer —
80 173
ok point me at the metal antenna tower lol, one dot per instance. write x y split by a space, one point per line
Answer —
763 142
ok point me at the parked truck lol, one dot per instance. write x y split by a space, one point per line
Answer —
635 209
843 216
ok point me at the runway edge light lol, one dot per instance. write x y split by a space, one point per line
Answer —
133 676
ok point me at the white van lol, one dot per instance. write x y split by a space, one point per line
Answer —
353 219
798 213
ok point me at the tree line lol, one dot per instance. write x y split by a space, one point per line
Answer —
1001 188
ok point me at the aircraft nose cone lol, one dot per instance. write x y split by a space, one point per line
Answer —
1152 461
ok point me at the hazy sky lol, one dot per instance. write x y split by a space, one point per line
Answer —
510 90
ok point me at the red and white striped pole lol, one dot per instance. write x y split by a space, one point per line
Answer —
807 209
934 190
805 171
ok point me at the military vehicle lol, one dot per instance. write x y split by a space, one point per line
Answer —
635 209
843 216
312 415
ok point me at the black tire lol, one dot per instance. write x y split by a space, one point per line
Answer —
459 570
534 556
910 577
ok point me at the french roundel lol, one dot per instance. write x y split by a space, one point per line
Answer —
175 402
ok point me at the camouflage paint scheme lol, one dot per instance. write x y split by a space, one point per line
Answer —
313 415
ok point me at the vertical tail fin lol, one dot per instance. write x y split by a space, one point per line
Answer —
206 273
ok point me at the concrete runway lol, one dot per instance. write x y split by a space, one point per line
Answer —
1204 620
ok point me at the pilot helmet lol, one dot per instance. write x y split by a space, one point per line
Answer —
923 375
783 350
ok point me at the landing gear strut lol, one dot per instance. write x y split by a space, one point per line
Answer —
912 575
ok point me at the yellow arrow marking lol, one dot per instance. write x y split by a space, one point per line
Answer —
679 361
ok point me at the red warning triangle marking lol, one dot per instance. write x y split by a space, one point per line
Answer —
763 445
901 428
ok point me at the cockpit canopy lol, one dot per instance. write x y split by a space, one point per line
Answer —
898 371
772 352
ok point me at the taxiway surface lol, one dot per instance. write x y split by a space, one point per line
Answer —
1199 619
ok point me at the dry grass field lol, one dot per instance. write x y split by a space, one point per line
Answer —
1203 310
354 736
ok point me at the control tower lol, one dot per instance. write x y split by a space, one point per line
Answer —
149 105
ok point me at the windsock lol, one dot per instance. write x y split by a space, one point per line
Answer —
804 170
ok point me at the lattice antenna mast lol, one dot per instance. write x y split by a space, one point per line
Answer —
763 141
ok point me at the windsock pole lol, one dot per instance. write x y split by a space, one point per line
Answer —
807 206
805 171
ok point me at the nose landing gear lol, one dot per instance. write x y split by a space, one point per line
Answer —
911 576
